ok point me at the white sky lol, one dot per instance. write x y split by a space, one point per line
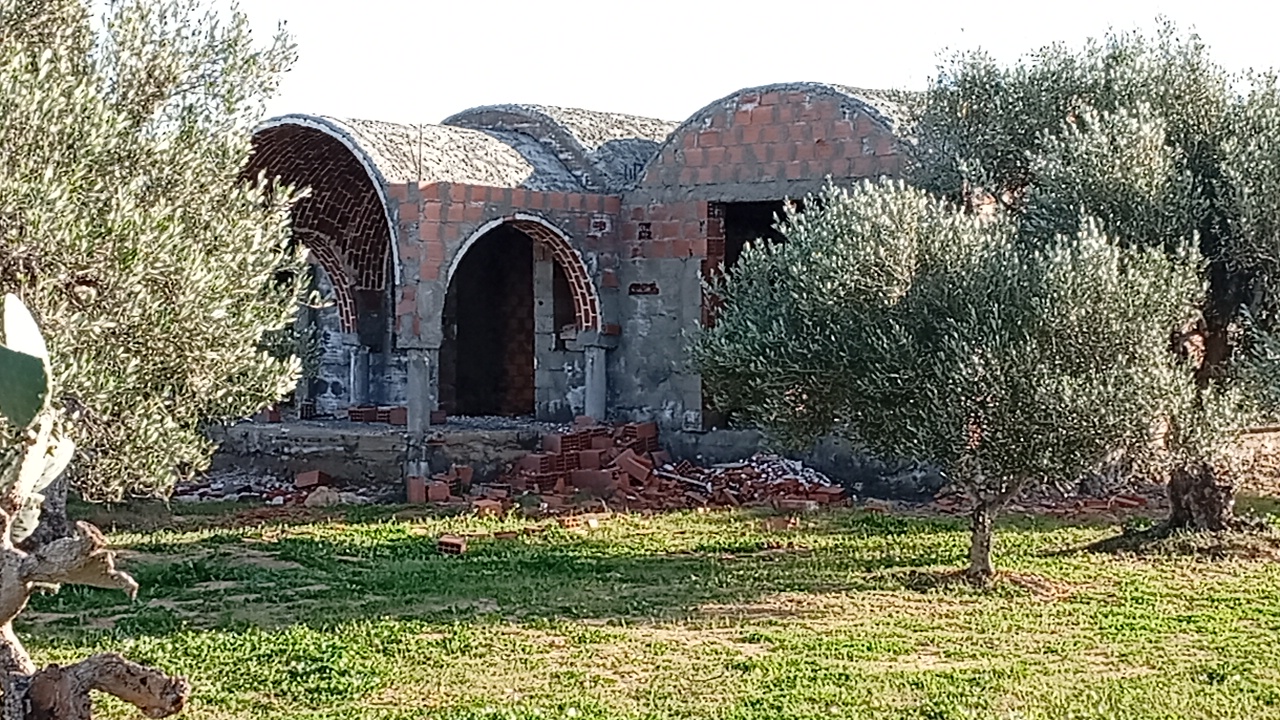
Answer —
422 60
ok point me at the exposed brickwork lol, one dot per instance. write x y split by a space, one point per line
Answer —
342 222
439 219
666 230
635 213
777 135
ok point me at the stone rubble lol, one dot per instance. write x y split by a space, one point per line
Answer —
587 466
259 487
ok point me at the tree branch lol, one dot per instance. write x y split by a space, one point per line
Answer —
82 559
62 693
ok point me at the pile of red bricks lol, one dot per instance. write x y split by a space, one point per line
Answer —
375 414
593 459
625 465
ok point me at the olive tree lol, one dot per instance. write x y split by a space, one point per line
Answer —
926 332
1147 136
158 274
35 449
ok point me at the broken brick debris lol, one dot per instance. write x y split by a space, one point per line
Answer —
626 466
1118 499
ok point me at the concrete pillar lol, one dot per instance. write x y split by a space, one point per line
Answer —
423 389
597 383
358 378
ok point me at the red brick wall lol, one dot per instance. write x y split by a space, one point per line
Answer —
666 230
437 219
776 136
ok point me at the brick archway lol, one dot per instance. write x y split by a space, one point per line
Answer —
507 286
586 301
344 221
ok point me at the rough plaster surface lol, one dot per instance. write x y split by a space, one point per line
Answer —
606 151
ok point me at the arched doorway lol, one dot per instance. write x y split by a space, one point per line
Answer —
344 224
517 298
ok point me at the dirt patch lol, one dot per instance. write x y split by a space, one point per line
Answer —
36 618
216 585
830 609
134 557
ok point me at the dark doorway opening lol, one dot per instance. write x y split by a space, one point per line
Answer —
563 313
746 222
487 352
743 223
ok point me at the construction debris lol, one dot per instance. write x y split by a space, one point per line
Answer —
626 467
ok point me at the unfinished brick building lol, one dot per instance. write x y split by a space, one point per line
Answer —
535 261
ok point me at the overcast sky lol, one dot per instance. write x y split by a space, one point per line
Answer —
420 61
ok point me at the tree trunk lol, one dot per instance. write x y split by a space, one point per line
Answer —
1200 500
981 529
53 516
63 692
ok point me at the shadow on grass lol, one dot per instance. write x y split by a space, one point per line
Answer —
329 574
1256 541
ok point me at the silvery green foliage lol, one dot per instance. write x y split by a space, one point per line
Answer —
1250 187
938 335
1147 136
1142 132
33 449
154 269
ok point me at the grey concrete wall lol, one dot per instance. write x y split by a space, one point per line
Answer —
651 376
390 378
558 372
369 454
837 458
333 389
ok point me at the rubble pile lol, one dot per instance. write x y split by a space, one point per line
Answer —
233 484
1107 501
626 467
247 486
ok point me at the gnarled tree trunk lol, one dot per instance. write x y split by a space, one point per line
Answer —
1200 499
53 516
62 693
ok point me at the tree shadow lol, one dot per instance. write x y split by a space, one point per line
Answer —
318 579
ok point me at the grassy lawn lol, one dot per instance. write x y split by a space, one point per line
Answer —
687 615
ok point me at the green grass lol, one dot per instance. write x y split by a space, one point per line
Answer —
686 615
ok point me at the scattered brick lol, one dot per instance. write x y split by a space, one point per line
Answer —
597 483
451 544
437 492
311 478
416 490
591 459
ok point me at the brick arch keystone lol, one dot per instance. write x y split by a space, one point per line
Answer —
586 300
